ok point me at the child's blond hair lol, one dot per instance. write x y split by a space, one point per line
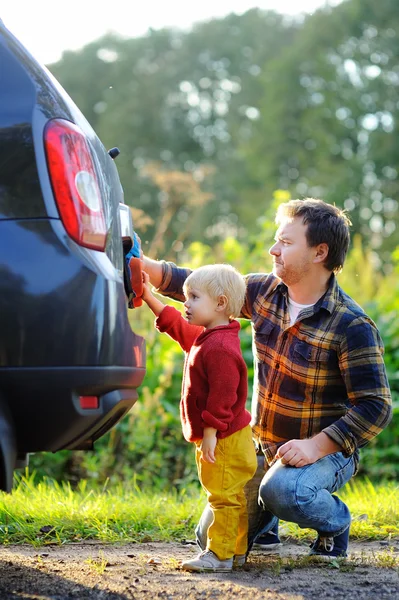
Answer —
219 280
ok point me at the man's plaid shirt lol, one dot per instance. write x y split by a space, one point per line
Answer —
323 373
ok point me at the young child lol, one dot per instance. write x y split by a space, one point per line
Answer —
212 406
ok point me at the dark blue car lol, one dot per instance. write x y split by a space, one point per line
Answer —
70 364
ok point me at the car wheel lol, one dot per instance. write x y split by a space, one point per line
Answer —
8 449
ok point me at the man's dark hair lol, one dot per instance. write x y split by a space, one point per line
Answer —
326 224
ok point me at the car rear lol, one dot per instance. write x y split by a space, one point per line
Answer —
70 364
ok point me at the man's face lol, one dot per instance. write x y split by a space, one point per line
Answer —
292 257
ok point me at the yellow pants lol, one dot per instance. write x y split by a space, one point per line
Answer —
224 483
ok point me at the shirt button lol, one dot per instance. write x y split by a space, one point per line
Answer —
277 365
270 395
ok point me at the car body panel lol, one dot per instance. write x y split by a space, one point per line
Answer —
63 307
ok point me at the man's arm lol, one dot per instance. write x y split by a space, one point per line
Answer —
154 270
166 277
363 371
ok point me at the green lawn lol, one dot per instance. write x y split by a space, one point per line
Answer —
42 513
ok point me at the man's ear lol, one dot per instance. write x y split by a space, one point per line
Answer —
222 303
321 253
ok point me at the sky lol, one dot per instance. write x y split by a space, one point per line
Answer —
48 27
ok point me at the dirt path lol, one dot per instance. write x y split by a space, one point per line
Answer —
148 571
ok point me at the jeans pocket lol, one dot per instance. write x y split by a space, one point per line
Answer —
345 468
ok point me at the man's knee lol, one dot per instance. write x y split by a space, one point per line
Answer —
277 492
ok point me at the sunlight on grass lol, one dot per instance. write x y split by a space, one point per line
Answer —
49 512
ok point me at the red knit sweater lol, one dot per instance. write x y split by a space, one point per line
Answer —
214 387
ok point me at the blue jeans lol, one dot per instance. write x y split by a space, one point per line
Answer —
302 495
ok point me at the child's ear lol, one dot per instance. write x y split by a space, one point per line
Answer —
222 303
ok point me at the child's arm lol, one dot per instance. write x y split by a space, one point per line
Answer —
153 303
170 321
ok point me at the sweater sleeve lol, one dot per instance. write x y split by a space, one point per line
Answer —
224 375
170 321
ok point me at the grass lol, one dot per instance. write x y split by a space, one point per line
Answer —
49 512
98 565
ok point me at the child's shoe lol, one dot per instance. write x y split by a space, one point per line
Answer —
208 561
239 560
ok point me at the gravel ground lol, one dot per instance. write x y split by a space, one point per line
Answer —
151 570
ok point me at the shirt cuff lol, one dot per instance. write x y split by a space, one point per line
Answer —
343 438
172 282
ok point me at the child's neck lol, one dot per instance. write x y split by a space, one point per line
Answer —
217 322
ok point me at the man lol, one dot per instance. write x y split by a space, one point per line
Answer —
320 386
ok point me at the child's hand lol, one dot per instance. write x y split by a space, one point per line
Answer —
153 303
208 445
146 287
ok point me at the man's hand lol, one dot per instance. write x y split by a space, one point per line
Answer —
208 445
298 453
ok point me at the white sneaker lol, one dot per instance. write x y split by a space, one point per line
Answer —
208 561
239 560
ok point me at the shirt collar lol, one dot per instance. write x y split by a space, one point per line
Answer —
327 301
330 298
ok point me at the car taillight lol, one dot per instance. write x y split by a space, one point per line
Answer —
74 182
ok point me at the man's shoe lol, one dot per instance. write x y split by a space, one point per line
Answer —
208 561
329 547
268 541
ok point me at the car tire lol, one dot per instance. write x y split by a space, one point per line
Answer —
8 449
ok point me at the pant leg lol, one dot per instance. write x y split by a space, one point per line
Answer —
305 495
260 520
224 482
242 535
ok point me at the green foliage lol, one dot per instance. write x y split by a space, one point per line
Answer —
181 99
308 106
380 457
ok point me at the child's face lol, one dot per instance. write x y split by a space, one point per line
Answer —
201 309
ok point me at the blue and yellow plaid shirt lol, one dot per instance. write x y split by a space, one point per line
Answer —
323 373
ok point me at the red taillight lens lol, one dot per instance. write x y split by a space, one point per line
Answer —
88 402
74 181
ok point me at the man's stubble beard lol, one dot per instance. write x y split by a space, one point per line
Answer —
291 276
